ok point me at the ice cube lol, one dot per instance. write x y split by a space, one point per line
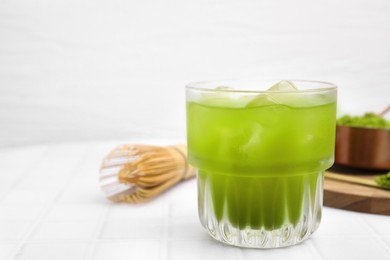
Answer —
224 88
271 98
285 92
224 96
283 86
252 138
261 100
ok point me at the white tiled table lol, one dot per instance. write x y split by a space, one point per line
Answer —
51 207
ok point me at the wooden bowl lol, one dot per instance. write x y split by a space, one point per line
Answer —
365 148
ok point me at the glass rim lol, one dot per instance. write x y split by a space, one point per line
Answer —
197 86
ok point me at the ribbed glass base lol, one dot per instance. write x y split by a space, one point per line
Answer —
260 212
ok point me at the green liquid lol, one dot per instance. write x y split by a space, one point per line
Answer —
260 165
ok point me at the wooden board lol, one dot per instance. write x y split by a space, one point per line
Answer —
355 197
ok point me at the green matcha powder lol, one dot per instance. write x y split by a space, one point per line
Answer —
368 120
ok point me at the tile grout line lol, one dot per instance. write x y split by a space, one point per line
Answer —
380 237
46 208
99 228
164 243
363 220
39 158
102 220
314 249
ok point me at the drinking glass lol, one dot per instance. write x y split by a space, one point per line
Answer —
260 156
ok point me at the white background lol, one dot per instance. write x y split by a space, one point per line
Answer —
77 75
91 70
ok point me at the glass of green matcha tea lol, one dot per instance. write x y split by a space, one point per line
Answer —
260 154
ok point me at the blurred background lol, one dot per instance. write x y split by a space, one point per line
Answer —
81 70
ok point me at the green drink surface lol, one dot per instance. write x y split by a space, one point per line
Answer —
260 162
265 139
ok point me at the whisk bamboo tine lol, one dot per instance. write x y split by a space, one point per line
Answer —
146 170
188 171
151 182
144 195
113 165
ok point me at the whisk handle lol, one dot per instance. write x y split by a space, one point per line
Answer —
189 171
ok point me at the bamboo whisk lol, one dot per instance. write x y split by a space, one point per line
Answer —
137 173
